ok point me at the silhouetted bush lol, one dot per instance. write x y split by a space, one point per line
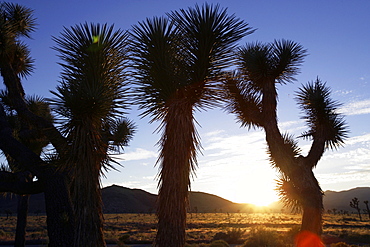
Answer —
219 243
261 237
233 236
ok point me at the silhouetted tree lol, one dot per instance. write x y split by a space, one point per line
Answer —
15 62
354 203
177 61
35 142
367 208
90 101
253 95
54 180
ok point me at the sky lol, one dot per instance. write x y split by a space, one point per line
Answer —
233 162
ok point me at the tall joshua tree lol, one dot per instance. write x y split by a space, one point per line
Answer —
90 101
253 97
177 60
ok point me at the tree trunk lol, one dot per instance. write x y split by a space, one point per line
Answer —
179 144
22 212
88 209
60 217
87 159
312 217
311 198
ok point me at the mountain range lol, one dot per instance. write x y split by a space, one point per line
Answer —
117 199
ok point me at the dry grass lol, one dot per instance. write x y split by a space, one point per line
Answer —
202 227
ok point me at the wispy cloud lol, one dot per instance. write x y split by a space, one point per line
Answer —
343 92
343 178
137 154
358 139
235 144
356 108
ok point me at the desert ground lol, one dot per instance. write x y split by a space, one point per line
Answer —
203 228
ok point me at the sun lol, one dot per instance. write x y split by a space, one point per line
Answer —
263 198
257 189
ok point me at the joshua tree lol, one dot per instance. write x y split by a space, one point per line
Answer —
35 140
90 101
253 97
53 180
367 208
15 62
354 203
177 60
8 213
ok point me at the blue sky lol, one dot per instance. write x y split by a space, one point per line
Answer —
233 163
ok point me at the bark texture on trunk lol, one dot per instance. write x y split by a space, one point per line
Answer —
89 152
312 201
177 159
88 209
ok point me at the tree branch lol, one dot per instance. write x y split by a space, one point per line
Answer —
19 152
15 93
11 182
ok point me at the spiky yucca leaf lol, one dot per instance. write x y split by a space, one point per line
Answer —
290 144
288 194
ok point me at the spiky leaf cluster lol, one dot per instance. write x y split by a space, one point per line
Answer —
16 21
181 54
93 77
321 115
278 61
246 101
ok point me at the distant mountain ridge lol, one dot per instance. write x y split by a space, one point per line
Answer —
118 199
340 200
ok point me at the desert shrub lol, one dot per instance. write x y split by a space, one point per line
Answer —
261 237
196 245
122 240
233 236
3 235
219 243
342 244
353 236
